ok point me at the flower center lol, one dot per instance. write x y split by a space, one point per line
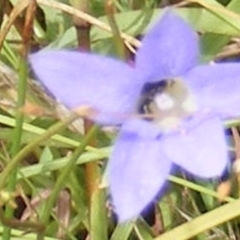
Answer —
168 102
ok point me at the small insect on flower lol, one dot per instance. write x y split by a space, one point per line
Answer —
184 104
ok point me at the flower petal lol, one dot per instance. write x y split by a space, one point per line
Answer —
137 168
169 49
78 79
217 88
201 148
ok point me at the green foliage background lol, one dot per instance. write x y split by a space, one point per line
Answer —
47 165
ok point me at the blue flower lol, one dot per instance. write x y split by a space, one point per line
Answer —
186 102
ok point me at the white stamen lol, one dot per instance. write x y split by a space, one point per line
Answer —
164 101
169 123
189 104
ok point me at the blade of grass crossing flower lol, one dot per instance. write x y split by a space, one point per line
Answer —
204 222
143 231
232 123
122 231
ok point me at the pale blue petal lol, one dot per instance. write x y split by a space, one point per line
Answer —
169 49
200 147
217 88
137 168
77 79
